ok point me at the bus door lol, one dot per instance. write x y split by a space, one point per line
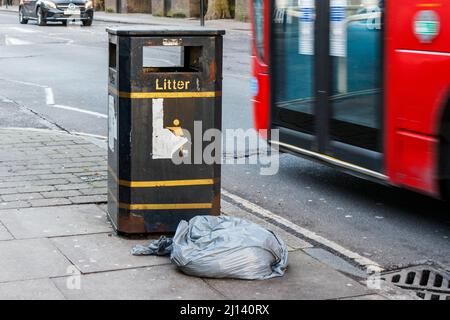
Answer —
326 78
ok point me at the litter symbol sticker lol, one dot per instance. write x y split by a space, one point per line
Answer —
164 141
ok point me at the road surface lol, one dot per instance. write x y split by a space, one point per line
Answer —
59 75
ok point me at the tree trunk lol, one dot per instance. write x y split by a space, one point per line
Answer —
218 9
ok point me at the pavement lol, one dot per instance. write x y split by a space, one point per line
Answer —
57 243
378 222
142 18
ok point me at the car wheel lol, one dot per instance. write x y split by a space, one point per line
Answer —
87 23
22 19
64 23
41 17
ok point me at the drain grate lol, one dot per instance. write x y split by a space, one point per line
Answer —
428 282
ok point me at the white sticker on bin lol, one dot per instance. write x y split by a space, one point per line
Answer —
164 142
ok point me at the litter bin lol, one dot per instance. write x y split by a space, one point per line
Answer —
165 101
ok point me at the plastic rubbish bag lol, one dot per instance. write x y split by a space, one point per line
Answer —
161 247
222 247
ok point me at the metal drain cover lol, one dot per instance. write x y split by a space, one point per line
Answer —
428 282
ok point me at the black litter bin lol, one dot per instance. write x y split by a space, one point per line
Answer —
165 93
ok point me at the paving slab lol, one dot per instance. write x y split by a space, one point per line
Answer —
104 252
40 289
335 262
4 233
293 242
52 222
30 259
305 279
159 282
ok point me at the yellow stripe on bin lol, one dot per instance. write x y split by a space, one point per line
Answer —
165 95
166 183
160 206
160 183
165 206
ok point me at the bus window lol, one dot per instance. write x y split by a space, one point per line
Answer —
356 53
293 56
258 20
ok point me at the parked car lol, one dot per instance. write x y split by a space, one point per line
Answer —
56 10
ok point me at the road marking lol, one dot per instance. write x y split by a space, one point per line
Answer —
92 113
55 36
10 41
363 261
22 30
148 64
49 97
90 135
25 83
35 129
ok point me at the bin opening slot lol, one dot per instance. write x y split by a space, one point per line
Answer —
171 59
112 55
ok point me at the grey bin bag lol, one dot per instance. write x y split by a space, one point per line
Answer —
222 247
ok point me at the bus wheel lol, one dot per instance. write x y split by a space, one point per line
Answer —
445 167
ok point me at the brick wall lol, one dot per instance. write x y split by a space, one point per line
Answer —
111 5
186 8
159 8
241 10
138 6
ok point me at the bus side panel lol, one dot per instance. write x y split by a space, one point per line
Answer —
260 71
418 154
261 97
417 83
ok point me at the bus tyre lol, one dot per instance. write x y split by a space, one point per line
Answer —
41 17
87 23
446 183
22 19
446 193
64 23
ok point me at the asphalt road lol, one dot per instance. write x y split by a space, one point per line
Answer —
390 226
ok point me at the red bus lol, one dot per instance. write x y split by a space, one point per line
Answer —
362 85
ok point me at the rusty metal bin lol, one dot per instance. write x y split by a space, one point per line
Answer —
163 82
